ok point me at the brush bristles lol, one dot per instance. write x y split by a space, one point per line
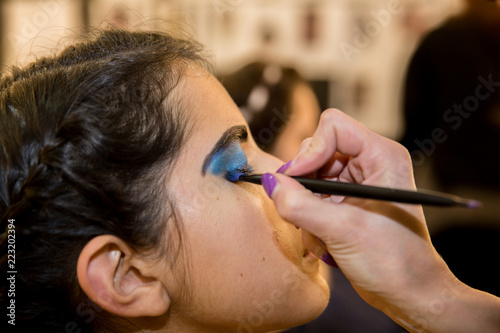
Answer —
233 176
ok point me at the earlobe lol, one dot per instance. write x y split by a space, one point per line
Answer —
115 278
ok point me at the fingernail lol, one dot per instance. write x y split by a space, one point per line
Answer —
269 183
328 259
321 241
284 167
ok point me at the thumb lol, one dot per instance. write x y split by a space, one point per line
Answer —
331 222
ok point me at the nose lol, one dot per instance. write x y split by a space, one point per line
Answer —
268 162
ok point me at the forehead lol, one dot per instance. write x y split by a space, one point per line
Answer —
210 112
208 104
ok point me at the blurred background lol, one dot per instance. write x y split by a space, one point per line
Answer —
423 72
356 69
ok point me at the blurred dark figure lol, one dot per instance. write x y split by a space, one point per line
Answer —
282 110
452 110
452 105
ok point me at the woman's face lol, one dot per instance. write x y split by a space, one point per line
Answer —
246 268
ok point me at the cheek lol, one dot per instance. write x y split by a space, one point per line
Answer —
237 229
238 252
268 237
285 236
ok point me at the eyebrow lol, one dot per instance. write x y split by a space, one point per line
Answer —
232 134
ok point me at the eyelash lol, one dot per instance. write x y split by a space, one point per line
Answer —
245 168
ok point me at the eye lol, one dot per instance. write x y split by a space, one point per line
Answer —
234 175
230 162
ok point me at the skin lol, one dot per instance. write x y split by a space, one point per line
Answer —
383 248
247 267
305 112
241 268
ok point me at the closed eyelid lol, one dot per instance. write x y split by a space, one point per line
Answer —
230 162
235 133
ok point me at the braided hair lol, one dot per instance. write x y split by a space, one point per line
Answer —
86 137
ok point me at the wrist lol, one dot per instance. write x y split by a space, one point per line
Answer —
433 305
448 305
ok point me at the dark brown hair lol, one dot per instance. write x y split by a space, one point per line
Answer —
87 139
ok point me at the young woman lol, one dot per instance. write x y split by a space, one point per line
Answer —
117 216
113 161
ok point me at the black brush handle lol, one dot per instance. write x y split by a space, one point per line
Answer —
420 197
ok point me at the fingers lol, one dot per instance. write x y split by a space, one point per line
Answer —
336 132
284 202
343 149
301 207
331 169
304 146
317 247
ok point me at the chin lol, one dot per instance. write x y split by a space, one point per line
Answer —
303 313
310 299
300 299
315 302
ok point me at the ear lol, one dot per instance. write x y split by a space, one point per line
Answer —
116 279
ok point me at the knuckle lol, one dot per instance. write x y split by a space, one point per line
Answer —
401 152
393 148
291 205
329 115
304 145
306 142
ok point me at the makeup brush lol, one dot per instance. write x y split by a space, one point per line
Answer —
420 197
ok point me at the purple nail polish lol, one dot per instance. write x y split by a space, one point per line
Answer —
269 183
284 167
328 259
321 241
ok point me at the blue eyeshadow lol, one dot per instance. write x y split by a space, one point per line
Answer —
230 162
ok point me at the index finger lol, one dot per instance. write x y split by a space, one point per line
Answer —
336 132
